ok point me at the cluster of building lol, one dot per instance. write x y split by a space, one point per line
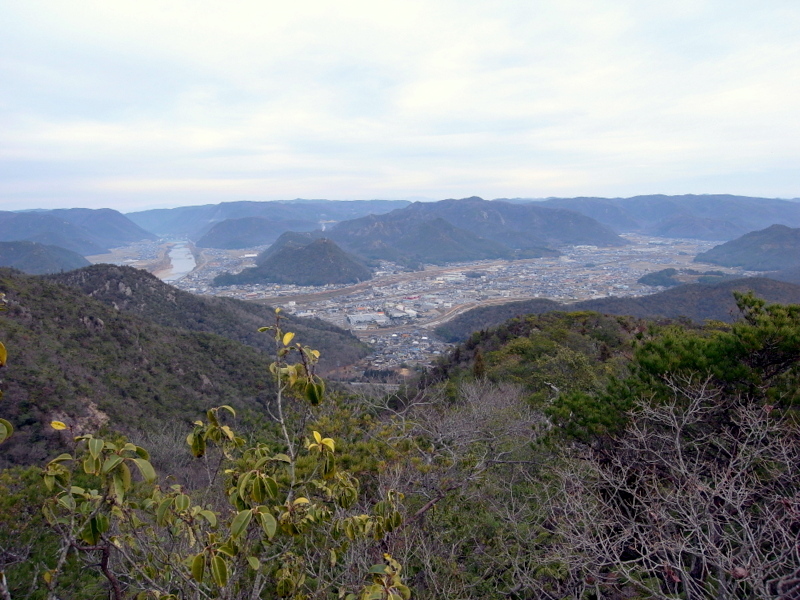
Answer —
403 350
397 310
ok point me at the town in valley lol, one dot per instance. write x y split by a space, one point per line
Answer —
397 311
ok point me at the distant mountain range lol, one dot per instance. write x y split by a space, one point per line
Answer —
36 259
81 230
519 226
466 230
772 249
315 262
697 302
248 232
413 239
441 232
195 221
704 217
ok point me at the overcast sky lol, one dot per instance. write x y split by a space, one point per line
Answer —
141 104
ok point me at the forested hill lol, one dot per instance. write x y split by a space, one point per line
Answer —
76 359
35 259
138 292
772 249
81 230
552 352
469 229
697 302
319 262
248 232
411 238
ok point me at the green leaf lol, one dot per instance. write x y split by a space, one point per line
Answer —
142 453
244 480
102 523
259 490
314 392
271 486
95 447
374 592
381 569
254 563
67 501
199 567
210 517
91 465
3 355
240 522
182 502
197 443
161 511
111 463
199 448
94 529
229 409
282 458
219 570
146 469
119 488
5 430
268 524
228 549
125 474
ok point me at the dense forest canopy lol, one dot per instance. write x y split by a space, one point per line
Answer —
565 455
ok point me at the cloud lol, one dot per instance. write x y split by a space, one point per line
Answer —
139 102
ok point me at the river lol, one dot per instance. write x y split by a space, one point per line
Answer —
182 263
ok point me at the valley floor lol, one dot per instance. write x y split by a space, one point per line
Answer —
397 310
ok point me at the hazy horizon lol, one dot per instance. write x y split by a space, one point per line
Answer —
412 199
